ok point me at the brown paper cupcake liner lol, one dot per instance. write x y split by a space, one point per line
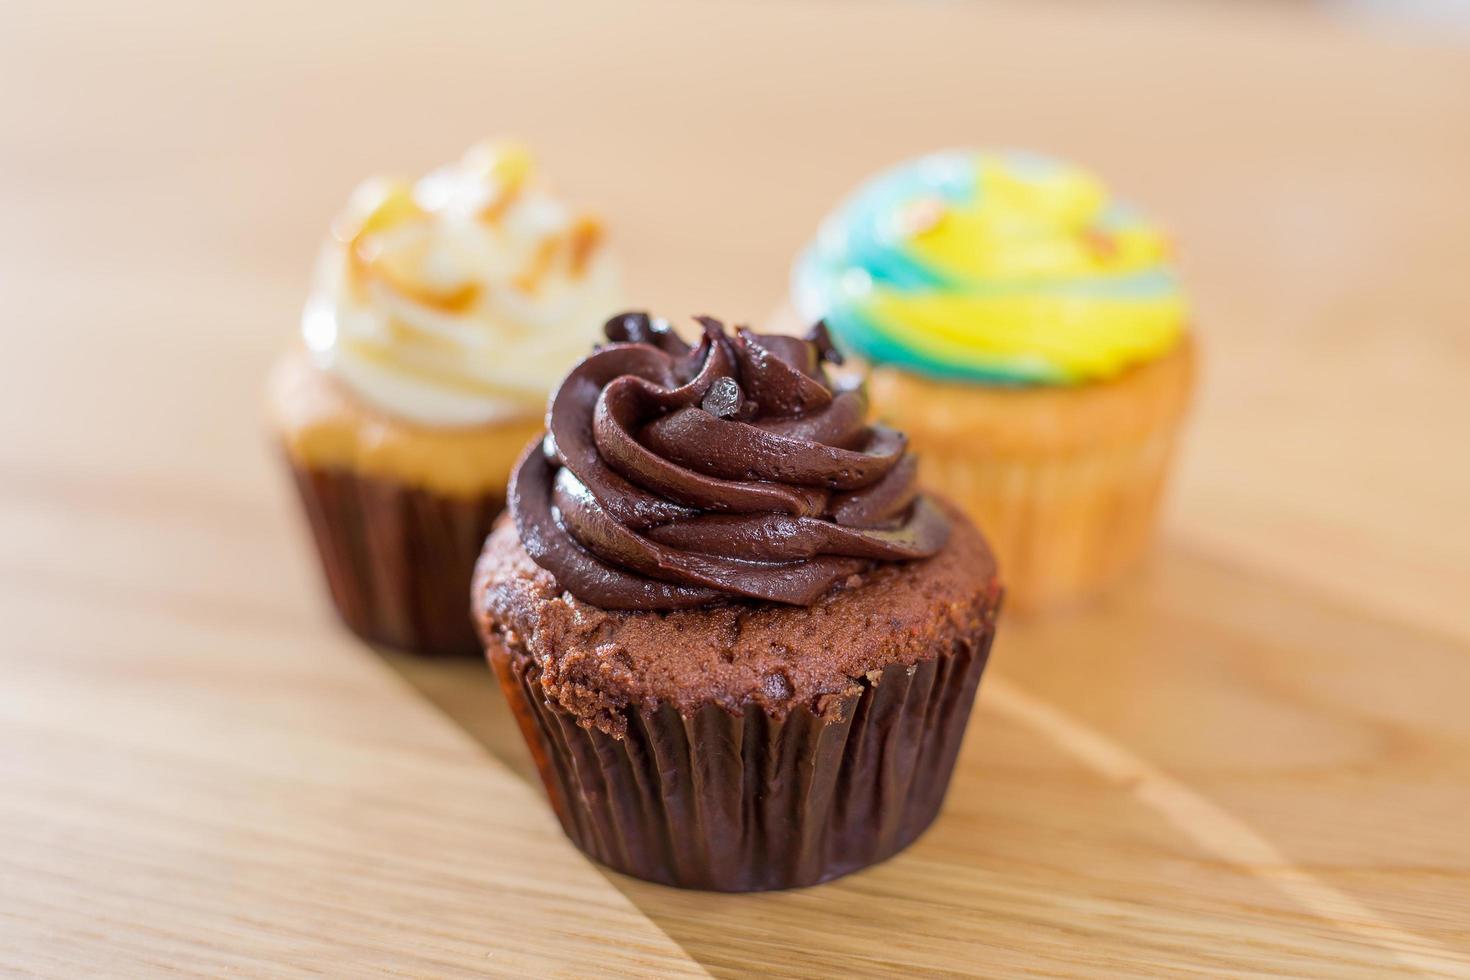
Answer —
398 559
751 802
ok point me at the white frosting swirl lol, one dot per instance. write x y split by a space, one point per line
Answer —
461 299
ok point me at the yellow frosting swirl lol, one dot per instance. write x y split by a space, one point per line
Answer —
996 267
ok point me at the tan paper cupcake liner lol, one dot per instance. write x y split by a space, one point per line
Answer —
752 802
398 560
1065 483
1062 527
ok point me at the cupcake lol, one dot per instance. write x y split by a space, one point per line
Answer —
1028 333
741 646
442 314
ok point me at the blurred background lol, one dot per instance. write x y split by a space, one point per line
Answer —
194 728
168 170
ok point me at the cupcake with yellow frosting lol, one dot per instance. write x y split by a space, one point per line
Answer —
442 313
1029 334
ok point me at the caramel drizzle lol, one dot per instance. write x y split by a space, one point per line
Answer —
580 242
511 186
585 236
456 300
529 279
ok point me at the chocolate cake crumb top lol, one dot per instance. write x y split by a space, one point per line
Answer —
596 662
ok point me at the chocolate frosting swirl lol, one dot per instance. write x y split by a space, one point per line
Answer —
673 476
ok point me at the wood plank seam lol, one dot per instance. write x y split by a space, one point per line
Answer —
1216 830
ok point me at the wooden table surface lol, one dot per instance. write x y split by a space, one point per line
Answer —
1254 758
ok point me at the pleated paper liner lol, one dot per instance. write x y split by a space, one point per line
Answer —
1065 527
751 802
1065 481
398 559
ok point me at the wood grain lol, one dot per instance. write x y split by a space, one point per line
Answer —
199 775
1253 759
1188 777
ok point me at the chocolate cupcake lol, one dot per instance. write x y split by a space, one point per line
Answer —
741 645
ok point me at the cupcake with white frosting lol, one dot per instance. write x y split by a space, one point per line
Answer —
442 313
